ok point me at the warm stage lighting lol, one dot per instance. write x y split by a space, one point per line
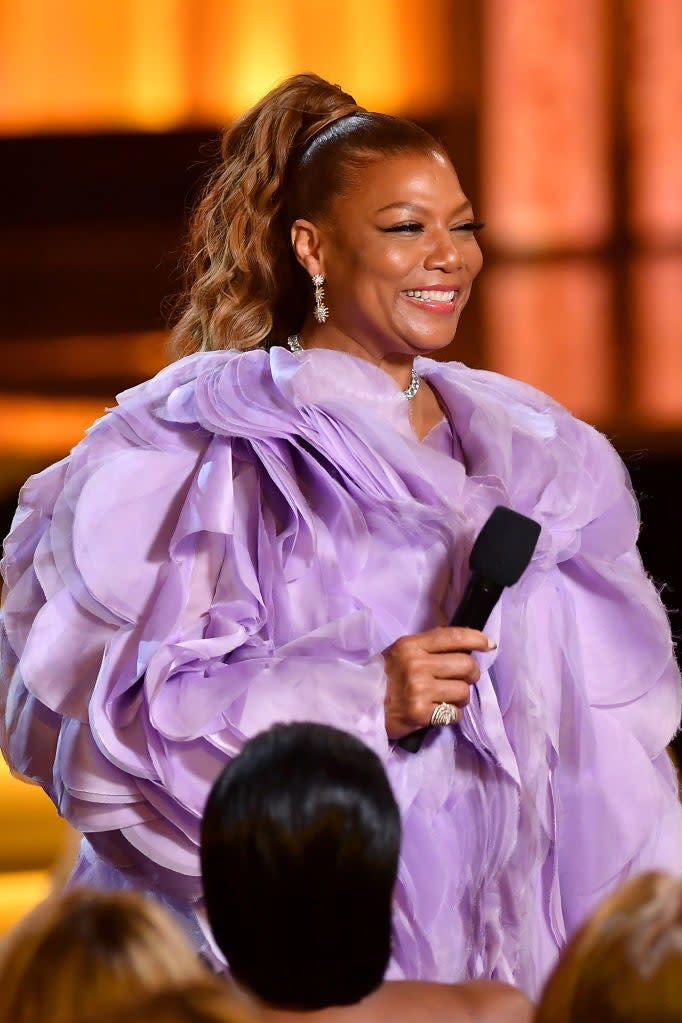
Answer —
550 326
546 125
47 428
656 303
155 65
654 108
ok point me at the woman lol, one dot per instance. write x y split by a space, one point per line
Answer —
625 964
79 955
303 803
277 527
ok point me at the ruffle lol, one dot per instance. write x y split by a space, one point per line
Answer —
235 544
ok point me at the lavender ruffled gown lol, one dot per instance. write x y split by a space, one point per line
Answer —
235 544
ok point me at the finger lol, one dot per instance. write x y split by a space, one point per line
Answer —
454 638
457 693
419 711
454 666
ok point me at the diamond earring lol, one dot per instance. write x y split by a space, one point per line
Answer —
320 312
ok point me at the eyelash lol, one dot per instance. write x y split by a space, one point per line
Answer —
411 228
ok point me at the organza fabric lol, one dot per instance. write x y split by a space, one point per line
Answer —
237 542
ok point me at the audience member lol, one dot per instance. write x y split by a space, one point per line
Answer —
299 850
82 953
207 1001
625 964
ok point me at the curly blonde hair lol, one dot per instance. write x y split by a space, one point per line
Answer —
287 157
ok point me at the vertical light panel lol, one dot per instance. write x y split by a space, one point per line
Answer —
656 307
545 124
654 109
549 325
21 53
156 81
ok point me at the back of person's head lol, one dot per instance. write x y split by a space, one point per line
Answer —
625 963
299 855
289 156
84 952
207 1001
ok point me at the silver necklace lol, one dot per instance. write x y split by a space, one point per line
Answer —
294 345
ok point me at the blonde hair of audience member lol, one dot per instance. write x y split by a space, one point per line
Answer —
206 1002
625 964
83 953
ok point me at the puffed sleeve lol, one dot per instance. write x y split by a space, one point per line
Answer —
157 612
598 638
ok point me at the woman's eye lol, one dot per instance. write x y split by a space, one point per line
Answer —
412 227
407 228
471 225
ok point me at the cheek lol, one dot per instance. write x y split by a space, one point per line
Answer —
475 259
387 263
404 259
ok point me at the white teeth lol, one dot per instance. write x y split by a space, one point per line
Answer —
432 296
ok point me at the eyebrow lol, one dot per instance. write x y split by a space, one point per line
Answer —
415 207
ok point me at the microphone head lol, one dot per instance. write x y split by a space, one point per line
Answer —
504 546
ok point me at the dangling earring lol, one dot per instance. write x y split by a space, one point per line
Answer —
320 312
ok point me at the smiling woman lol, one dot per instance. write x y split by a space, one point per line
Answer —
383 263
397 275
289 513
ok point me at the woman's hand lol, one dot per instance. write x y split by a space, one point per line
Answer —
426 669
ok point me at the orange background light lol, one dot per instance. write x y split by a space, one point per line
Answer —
76 65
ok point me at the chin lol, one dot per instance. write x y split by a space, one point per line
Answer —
432 343
425 338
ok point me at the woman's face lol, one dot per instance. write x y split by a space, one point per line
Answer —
399 254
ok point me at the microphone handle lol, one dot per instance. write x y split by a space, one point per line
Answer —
472 612
477 603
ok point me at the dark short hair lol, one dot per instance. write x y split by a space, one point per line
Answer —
299 855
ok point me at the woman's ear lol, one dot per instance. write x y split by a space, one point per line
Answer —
306 241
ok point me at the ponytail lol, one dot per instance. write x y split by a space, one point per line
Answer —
242 275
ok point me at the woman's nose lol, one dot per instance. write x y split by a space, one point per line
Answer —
445 253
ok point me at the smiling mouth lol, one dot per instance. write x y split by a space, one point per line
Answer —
444 297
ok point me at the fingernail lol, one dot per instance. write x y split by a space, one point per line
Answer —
492 645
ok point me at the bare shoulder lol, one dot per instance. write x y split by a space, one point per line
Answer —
406 1001
491 1002
473 1002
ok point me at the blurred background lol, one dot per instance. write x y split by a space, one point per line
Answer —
564 118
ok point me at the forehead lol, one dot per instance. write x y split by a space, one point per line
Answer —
410 178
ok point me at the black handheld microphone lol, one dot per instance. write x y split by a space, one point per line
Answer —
498 558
